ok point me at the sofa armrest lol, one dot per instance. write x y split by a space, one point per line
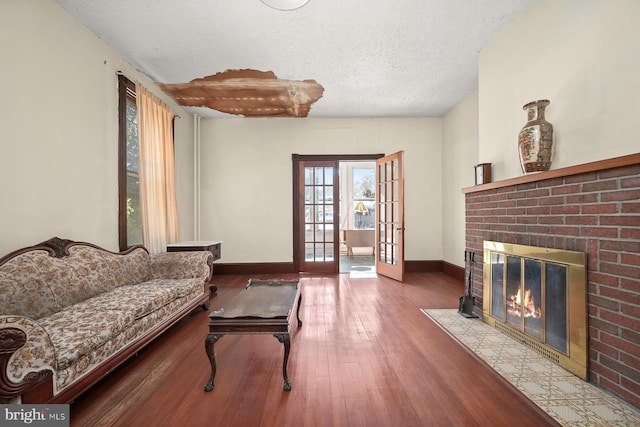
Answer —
27 355
182 265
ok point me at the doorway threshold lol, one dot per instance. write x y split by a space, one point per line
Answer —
358 265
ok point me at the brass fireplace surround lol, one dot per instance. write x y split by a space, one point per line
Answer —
575 359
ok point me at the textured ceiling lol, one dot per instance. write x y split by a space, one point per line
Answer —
374 58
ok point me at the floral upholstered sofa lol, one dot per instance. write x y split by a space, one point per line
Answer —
70 312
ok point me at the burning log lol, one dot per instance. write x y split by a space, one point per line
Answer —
515 304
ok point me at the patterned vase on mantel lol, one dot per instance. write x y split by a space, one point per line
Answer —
536 139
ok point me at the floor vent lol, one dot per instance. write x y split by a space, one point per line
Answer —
531 343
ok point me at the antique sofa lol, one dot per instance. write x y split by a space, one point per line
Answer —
70 312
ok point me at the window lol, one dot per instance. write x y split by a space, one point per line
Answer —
129 217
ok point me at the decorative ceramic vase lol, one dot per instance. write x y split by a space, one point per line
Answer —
535 141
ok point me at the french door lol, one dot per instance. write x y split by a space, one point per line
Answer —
390 216
316 225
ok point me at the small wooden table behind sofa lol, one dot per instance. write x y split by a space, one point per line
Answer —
263 307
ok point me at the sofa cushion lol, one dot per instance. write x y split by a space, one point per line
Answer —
147 297
81 328
76 330
181 287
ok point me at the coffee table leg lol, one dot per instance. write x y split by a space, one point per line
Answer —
208 346
285 339
298 311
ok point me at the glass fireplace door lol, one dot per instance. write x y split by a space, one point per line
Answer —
539 296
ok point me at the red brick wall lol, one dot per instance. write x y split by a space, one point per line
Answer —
593 212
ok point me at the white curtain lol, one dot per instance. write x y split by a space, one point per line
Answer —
157 172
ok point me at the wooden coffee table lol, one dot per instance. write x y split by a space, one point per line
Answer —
263 307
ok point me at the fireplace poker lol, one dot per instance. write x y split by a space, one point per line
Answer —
465 308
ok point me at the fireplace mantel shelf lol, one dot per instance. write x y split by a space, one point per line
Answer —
631 159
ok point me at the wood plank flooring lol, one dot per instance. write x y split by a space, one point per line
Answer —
364 356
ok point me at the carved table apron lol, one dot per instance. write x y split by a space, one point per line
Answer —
263 307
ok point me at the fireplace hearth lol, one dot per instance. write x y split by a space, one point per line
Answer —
539 297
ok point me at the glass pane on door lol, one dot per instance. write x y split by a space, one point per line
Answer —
388 187
318 209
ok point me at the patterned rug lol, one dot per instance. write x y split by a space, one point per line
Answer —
564 396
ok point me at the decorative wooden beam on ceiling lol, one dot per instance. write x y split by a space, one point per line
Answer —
250 93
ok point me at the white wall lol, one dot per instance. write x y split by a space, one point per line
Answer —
247 179
58 158
584 56
59 121
183 128
459 155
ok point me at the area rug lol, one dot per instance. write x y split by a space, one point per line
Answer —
564 396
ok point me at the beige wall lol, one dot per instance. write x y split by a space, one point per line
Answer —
184 164
58 167
246 184
58 115
584 56
459 155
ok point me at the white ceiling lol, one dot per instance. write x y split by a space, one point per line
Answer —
374 58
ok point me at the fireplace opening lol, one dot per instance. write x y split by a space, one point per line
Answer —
539 297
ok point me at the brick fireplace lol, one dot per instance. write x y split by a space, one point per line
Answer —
592 208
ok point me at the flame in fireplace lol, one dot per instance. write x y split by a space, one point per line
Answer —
519 306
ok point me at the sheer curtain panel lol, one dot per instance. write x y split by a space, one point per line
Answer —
157 171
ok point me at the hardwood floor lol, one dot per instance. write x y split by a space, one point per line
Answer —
364 356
